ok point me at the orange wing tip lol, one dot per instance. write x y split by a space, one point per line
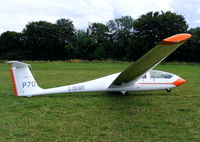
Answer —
179 82
178 38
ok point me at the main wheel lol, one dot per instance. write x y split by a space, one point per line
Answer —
168 89
124 92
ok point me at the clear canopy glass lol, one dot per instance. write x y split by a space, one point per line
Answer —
160 74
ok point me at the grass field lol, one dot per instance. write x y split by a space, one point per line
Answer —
97 117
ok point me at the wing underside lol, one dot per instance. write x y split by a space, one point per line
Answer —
150 59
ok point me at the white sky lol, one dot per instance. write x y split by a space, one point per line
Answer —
15 14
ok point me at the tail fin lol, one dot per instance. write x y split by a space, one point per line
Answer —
22 78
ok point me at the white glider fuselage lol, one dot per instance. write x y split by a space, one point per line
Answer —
152 80
145 83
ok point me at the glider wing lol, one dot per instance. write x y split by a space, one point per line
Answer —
150 59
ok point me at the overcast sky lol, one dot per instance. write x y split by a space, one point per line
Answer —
15 14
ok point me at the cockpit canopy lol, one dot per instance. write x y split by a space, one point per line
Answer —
159 74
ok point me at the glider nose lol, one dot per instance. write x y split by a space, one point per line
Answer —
179 81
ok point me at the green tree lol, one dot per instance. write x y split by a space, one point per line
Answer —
121 30
47 41
100 36
84 45
65 37
40 40
152 27
190 51
65 31
12 46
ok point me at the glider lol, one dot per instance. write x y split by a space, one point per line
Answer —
137 77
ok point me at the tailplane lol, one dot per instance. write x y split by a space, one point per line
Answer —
22 79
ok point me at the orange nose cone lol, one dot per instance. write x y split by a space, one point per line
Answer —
179 82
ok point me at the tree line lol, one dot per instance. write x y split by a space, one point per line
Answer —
122 38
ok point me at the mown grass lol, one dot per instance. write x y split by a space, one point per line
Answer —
140 116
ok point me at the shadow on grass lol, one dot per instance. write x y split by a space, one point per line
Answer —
107 94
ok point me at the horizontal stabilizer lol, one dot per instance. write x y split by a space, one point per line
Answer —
18 64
